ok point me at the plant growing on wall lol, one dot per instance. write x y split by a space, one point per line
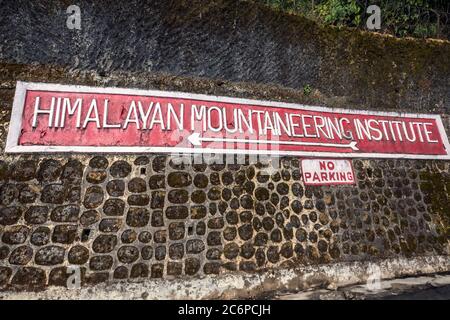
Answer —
417 18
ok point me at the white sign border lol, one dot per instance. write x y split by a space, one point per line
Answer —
302 166
22 87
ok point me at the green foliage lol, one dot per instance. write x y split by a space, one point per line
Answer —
417 18
307 90
339 12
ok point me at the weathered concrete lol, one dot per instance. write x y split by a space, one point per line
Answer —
242 285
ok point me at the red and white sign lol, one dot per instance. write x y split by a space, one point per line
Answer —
327 171
60 118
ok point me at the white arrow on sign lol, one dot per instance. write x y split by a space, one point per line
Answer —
196 140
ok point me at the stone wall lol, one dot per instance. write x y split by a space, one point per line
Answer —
142 217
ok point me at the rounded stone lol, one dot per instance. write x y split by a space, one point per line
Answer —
226 194
260 209
78 255
174 268
296 206
26 194
322 245
261 239
72 172
246 216
58 277
23 170
178 196
323 218
115 188
157 182
216 223
272 254
268 223
40 236
249 186
276 235
53 193
158 198
191 266
157 270
145 236
15 235
138 217
270 208
157 218
176 230
99 162
141 161
89 217
229 233
139 270
29 278
140 200
160 253
137 185
160 236
245 231
8 193
214 178
231 250
159 163
73 193
65 234
96 177
104 243
177 212
195 246
198 196
312 236
93 197
232 217
176 251
49 171
214 193
129 236
110 225
120 169
200 228
147 252
287 250
21 255
179 179
212 268
214 238
262 194
49 256
67 213
247 202
227 178
120 273
247 250
128 254
4 252
201 181
101 263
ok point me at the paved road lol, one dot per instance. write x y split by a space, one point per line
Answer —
430 287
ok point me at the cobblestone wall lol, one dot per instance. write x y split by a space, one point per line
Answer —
151 217
147 216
